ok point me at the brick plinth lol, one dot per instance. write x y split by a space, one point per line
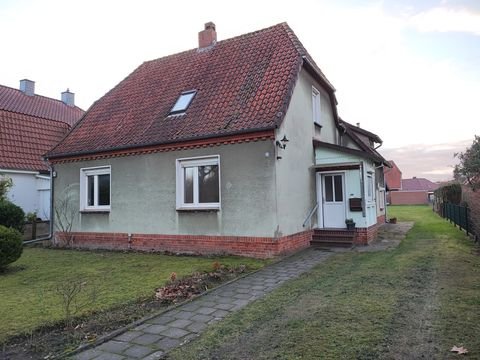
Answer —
258 247
363 236
381 219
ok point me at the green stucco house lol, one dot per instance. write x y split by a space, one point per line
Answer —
232 147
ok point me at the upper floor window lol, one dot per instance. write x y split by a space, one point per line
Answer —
183 102
198 183
95 188
316 106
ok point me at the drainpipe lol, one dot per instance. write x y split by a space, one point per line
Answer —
362 187
50 230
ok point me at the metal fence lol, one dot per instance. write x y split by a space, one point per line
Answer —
458 215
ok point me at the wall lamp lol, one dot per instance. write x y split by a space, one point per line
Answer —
282 144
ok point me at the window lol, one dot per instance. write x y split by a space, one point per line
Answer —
369 187
183 102
95 189
316 106
198 183
333 188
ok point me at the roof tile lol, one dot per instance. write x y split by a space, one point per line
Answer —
243 84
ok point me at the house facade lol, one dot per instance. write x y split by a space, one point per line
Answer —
235 147
414 191
30 125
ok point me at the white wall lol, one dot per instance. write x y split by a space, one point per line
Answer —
30 191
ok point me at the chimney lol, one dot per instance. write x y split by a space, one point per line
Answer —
27 87
208 36
68 98
358 124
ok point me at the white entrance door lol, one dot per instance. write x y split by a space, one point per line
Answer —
333 200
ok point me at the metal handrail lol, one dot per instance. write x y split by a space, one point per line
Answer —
310 214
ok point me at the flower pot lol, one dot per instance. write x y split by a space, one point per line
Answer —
350 226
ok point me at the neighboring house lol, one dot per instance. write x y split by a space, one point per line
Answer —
414 191
226 148
30 125
393 179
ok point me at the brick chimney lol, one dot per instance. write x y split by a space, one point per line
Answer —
208 36
68 98
27 87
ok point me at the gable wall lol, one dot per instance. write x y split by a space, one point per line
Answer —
295 177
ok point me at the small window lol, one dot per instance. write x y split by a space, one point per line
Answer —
316 106
95 189
369 187
183 102
198 183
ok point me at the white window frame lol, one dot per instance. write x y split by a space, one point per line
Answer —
93 171
370 187
195 162
316 106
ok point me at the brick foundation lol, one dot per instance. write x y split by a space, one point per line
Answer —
381 219
258 247
363 236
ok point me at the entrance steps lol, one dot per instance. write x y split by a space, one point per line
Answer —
332 238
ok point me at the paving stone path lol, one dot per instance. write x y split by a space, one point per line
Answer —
152 339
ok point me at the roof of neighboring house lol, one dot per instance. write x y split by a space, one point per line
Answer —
242 84
24 139
353 132
393 176
30 126
418 184
14 100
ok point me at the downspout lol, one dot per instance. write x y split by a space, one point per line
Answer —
364 211
50 230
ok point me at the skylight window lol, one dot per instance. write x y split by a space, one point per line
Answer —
183 102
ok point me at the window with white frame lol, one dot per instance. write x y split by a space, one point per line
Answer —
369 187
316 106
198 183
95 188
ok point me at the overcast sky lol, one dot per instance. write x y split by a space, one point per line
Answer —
406 71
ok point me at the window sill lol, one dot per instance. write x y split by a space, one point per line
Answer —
198 209
317 125
94 211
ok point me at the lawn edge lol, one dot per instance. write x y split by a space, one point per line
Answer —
114 333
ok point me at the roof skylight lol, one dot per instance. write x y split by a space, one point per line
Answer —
183 102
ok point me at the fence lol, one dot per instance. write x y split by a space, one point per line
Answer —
457 214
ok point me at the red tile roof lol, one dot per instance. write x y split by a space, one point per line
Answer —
24 139
38 106
243 85
418 184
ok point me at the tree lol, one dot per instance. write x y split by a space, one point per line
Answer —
66 210
5 185
469 168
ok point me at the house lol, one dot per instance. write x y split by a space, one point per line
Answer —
393 179
414 191
30 125
232 147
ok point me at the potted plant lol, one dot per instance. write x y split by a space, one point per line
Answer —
350 224
393 220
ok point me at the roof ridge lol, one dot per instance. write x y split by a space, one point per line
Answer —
39 95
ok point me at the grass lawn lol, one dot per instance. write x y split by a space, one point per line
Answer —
28 296
415 301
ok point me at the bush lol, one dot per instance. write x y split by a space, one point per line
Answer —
11 215
11 246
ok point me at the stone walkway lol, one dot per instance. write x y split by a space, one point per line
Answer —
156 336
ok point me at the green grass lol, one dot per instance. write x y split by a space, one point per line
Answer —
422 297
28 298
